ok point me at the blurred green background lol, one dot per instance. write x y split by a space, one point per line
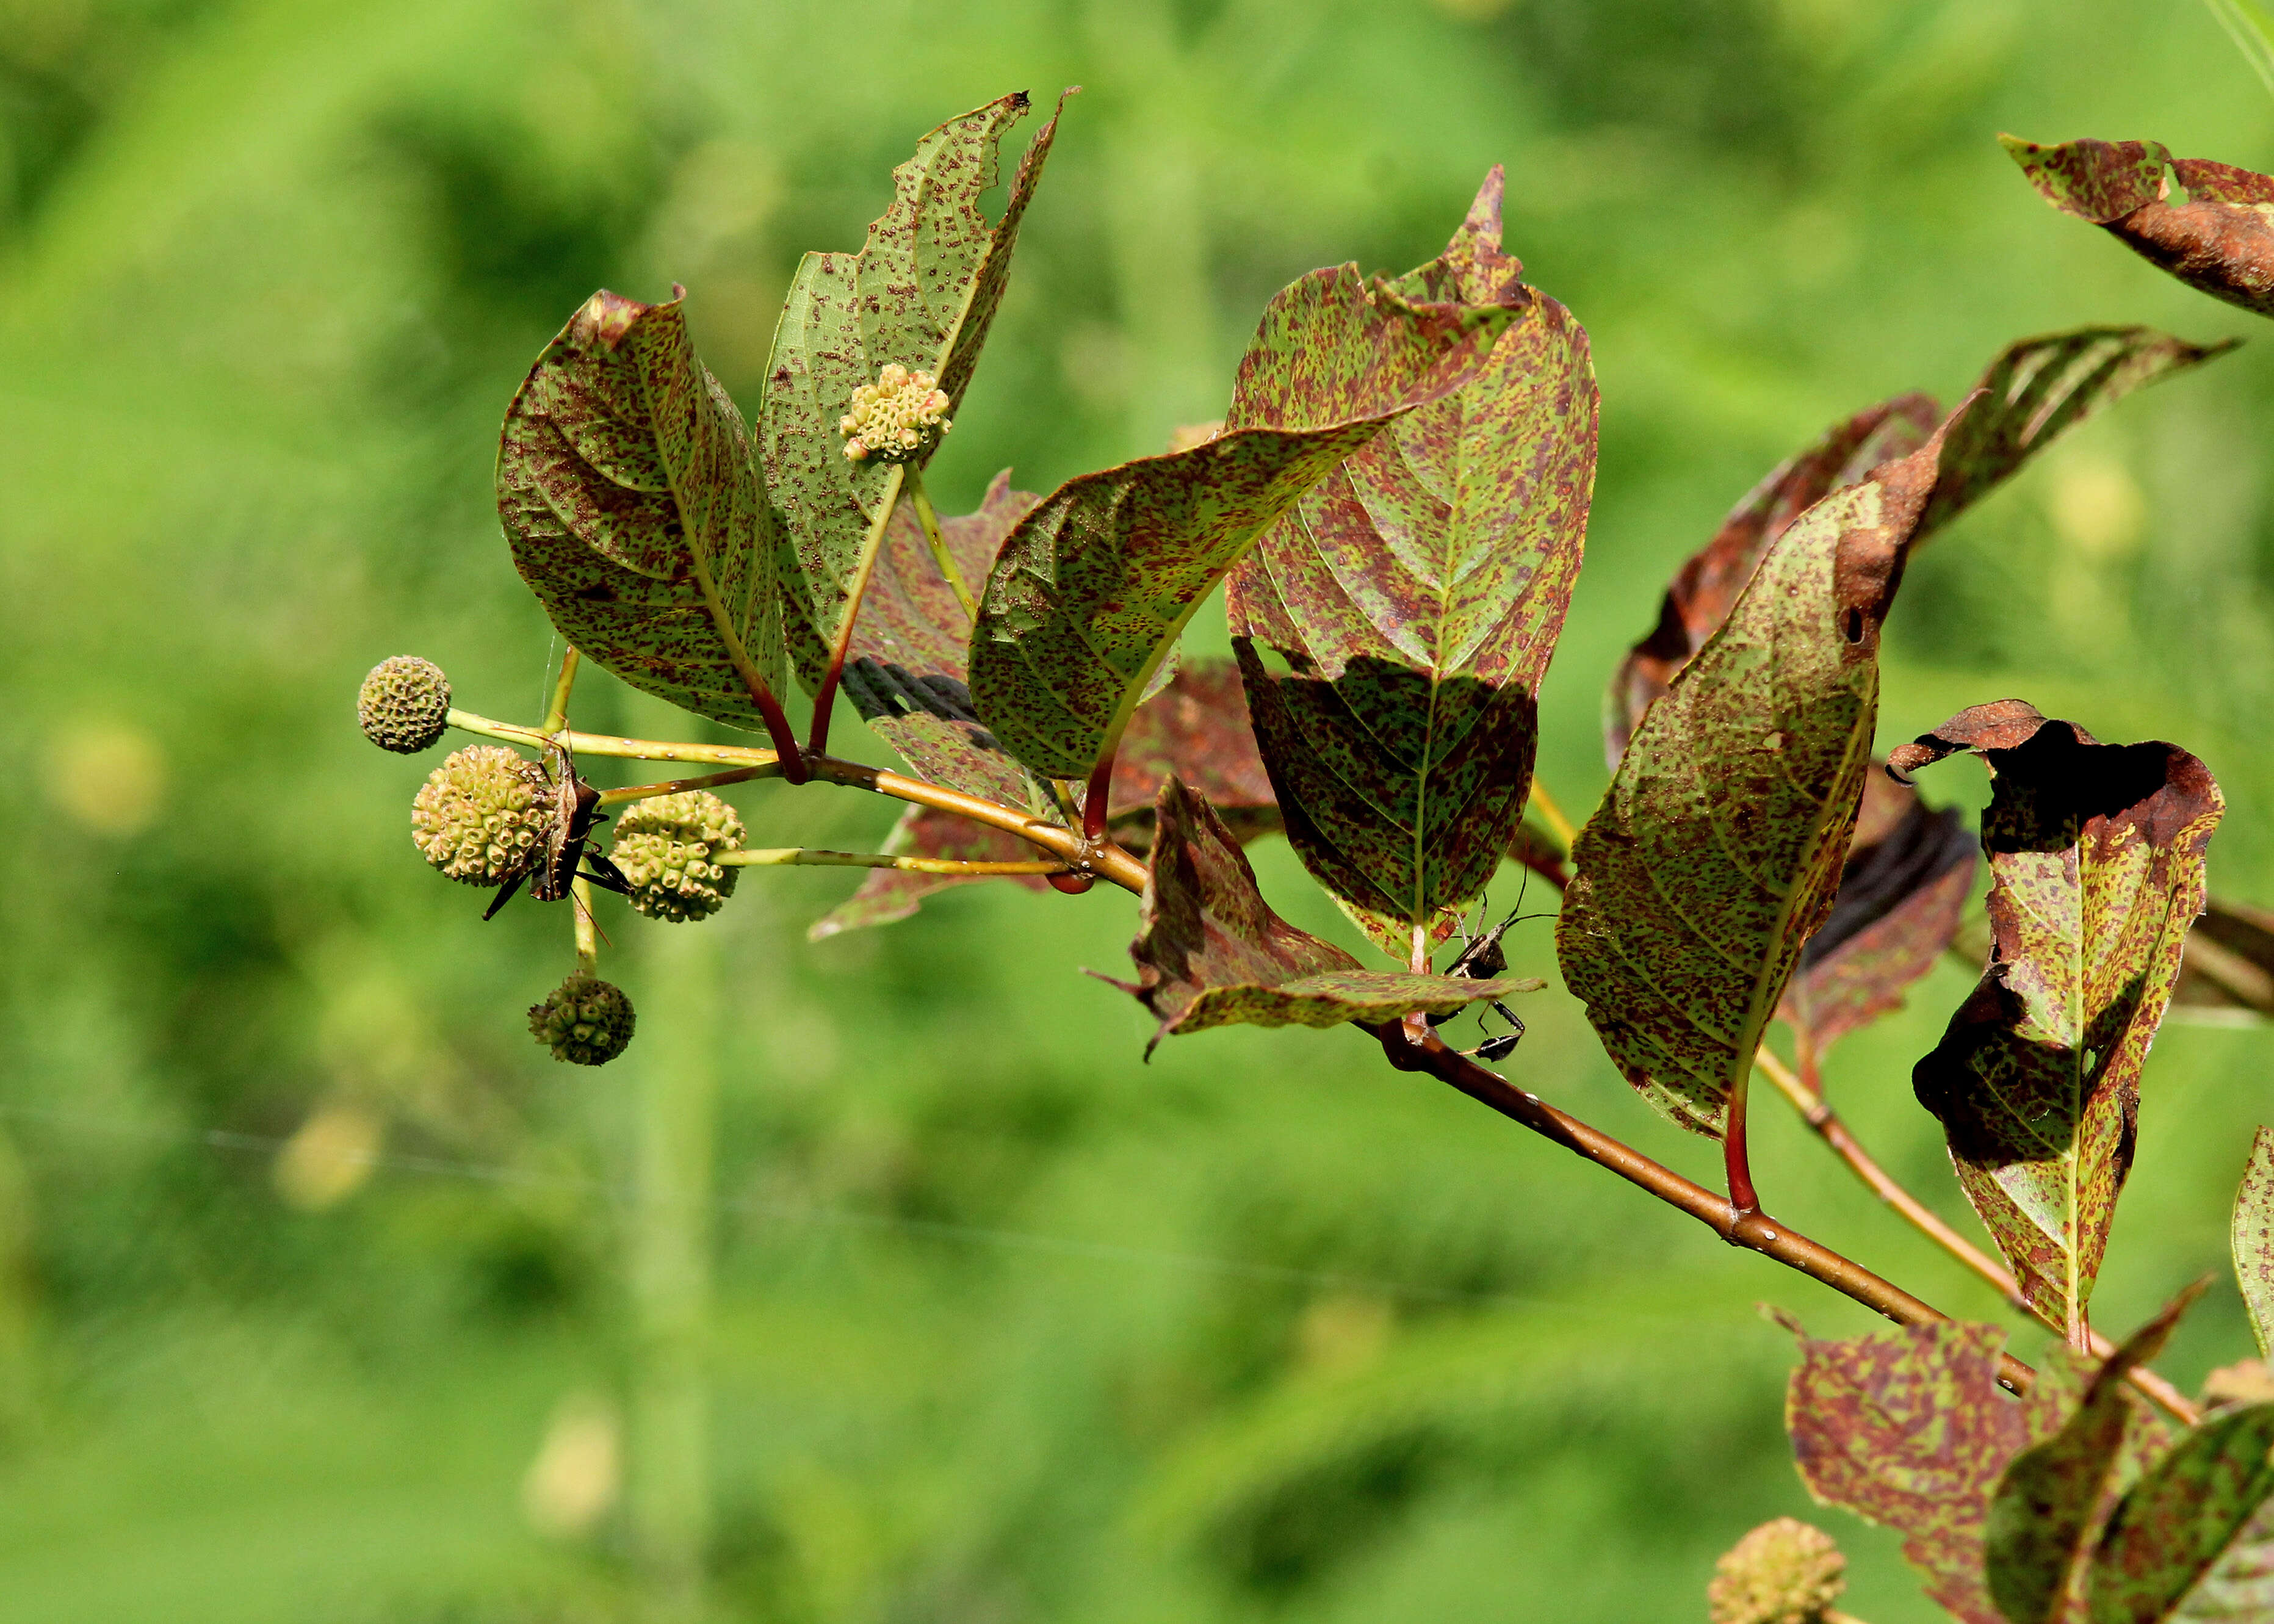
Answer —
881 1283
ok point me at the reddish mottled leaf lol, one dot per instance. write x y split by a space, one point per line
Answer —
1716 852
1210 951
2195 1538
2053 1498
2252 1234
891 894
2035 390
1413 598
2096 865
1908 1428
625 486
1094 586
922 292
2220 241
1900 896
904 669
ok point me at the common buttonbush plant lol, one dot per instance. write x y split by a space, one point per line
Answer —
1395 505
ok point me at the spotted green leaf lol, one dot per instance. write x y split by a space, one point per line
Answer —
1092 589
2194 1539
1908 1429
630 497
1210 952
922 293
1716 854
2097 869
2253 1235
2053 1498
2220 241
1412 599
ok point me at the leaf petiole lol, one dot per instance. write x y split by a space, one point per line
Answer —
936 540
799 856
556 713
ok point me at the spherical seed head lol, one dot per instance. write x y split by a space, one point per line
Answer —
897 418
584 1021
668 848
404 704
482 815
1783 1572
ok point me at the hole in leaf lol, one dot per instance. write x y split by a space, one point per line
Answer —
1855 626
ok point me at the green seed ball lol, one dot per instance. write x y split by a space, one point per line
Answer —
481 817
1783 1572
668 850
404 704
584 1021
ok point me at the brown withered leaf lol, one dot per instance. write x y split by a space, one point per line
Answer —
1908 1428
904 668
2035 390
1413 598
891 894
628 496
1093 588
1901 897
1210 952
1716 852
2054 1497
2097 865
2220 241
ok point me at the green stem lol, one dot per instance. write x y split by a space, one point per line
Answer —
588 929
556 714
929 517
1552 815
801 856
673 786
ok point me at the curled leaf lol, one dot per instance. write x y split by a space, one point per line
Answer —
2194 1539
920 293
2097 864
2035 390
1716 854
2218 242
2252 1234
1210 952
1093 588
1412 598
625 487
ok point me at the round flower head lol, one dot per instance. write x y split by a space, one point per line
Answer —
1783 1572
482 815
404 704
897 418
584 1021
669 848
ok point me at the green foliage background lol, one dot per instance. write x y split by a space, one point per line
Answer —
1010 1326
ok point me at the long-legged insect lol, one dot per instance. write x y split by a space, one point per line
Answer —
1481 959
569 843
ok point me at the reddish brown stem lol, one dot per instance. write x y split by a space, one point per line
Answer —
1736 1162
779 730
1754 1231
1094 796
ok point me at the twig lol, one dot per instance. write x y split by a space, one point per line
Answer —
673 786
1102 858
1552 815
801 856
1755 1231
1805 1091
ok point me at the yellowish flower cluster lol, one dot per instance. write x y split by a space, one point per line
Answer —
896 420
